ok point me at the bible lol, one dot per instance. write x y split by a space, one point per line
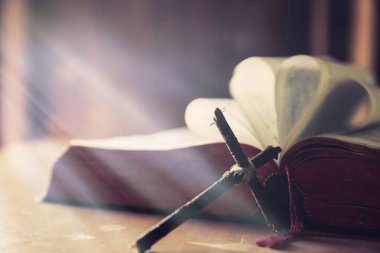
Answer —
325 116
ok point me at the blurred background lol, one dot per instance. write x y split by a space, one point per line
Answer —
94 68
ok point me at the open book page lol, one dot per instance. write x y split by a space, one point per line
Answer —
297 81
252 87
165 140
199 118
315 96
368 136
346 106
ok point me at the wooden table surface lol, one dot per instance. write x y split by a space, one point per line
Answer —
31 226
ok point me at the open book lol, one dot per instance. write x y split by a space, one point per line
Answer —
324 115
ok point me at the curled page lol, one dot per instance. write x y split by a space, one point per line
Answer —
315 96
252 86
200 112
